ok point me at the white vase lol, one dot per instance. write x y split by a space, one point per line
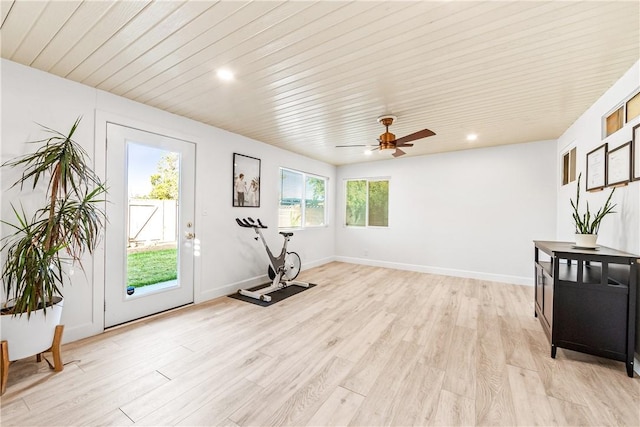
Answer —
28 337
586 240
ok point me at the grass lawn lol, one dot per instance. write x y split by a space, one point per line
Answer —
148 268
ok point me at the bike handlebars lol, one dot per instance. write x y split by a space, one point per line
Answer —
249 222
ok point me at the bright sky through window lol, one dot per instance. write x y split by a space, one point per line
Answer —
143 162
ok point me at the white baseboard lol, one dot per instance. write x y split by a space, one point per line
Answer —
251 282
231 288
527 281
636 365
318 262
79 332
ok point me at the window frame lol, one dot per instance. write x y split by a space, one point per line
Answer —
303 199
569 166
368 180
622 116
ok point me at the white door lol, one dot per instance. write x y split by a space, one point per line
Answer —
150 235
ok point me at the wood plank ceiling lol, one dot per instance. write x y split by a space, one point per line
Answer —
312 75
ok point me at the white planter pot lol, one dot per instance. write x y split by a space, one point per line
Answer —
586 240
33 336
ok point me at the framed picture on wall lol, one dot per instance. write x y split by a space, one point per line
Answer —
246 181
636 152
619 165
597 168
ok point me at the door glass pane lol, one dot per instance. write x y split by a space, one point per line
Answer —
379 203
356 203
152 249
314 201
290 211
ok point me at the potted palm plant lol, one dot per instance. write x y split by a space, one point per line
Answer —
588 224
41 248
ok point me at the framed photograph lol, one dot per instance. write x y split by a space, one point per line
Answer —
636 152
619 165
246 181
597 168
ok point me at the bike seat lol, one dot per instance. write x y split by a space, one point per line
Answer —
285 234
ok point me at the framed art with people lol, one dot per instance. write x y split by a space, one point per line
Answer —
246 181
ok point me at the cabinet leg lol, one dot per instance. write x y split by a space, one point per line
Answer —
553 351
4 366
630 369
535 313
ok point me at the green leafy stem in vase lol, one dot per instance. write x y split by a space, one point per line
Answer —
69 222
589 223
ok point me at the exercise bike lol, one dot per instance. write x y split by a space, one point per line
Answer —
282 270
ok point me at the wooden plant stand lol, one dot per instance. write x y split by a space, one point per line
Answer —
54 349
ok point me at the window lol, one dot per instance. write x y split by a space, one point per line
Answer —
569 166
633 107
367 203
614 121
621 114
302 199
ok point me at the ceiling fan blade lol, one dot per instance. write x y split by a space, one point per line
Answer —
357 145
398 153
417 135
404 145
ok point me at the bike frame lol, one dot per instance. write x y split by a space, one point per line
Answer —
277 263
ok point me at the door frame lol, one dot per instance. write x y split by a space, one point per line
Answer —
122 307
96 324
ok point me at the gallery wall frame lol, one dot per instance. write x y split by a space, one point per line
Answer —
635 152
246 181
619 165
597 168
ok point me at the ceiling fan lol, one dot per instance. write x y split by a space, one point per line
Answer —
388 141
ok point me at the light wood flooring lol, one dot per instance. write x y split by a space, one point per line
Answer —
366 347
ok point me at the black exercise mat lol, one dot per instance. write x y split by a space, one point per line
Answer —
276 296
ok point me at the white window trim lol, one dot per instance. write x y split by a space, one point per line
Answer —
567 152
344 212
303 199
623 104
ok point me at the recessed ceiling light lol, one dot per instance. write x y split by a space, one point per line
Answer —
472 137
225 74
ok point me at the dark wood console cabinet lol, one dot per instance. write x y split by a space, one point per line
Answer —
586 299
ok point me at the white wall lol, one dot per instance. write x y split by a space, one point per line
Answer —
470 213
230 257
622 229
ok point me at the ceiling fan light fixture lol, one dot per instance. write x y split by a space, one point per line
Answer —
367 152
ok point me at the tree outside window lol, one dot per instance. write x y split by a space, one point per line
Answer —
164 183
367 203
